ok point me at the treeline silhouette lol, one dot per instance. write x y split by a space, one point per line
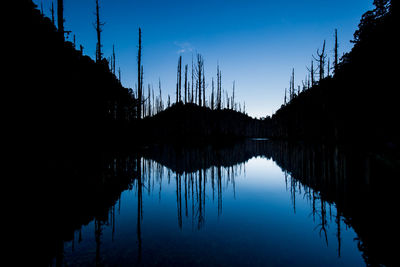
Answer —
359 101
64 98
67 100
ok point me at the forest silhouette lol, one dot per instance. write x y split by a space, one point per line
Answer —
358 103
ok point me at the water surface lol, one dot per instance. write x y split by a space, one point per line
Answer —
241 211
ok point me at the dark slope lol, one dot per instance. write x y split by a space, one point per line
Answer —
360 103
59 96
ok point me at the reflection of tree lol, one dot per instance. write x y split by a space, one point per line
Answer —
91 188
193 187
337 183
98 233
139 207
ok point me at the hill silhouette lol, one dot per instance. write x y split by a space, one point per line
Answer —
360 102
190 123
62 98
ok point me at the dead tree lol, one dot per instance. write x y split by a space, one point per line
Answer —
219 88
52 13
227 100
312 72
140 76
292 91
199 76
192 94
186 83
335 64
321 61
204 88
149 101
113 61
98 26
233 96
60 16
212 94
161 105
285 99
179 80
329 69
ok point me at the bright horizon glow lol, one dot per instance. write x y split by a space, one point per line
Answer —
256 43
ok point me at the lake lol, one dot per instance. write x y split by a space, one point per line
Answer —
256 203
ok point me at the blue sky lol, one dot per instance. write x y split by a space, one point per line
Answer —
255 42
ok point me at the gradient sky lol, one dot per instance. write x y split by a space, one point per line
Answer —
255 42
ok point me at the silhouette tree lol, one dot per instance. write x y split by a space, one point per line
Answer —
233 96
113 60
219 88
321 60
98 26
140 76
60 16
336 52
199 76
52 13
312 73
212 94
179 80
186 83
285 99
192 94
204 87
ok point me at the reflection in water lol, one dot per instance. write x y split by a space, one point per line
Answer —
334 183
191 188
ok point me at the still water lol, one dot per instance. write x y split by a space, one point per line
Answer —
246 211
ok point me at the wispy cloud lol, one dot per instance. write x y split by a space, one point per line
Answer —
183 47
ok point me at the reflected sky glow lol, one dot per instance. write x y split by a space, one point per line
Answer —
258 218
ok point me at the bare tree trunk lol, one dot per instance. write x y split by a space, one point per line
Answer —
204 88
98 26
186 83
140 76
60 16
212 94
113 60
312 74
219 89
192 95
199 70
336 52
179 81
285 99
52 13
321 60
233 96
